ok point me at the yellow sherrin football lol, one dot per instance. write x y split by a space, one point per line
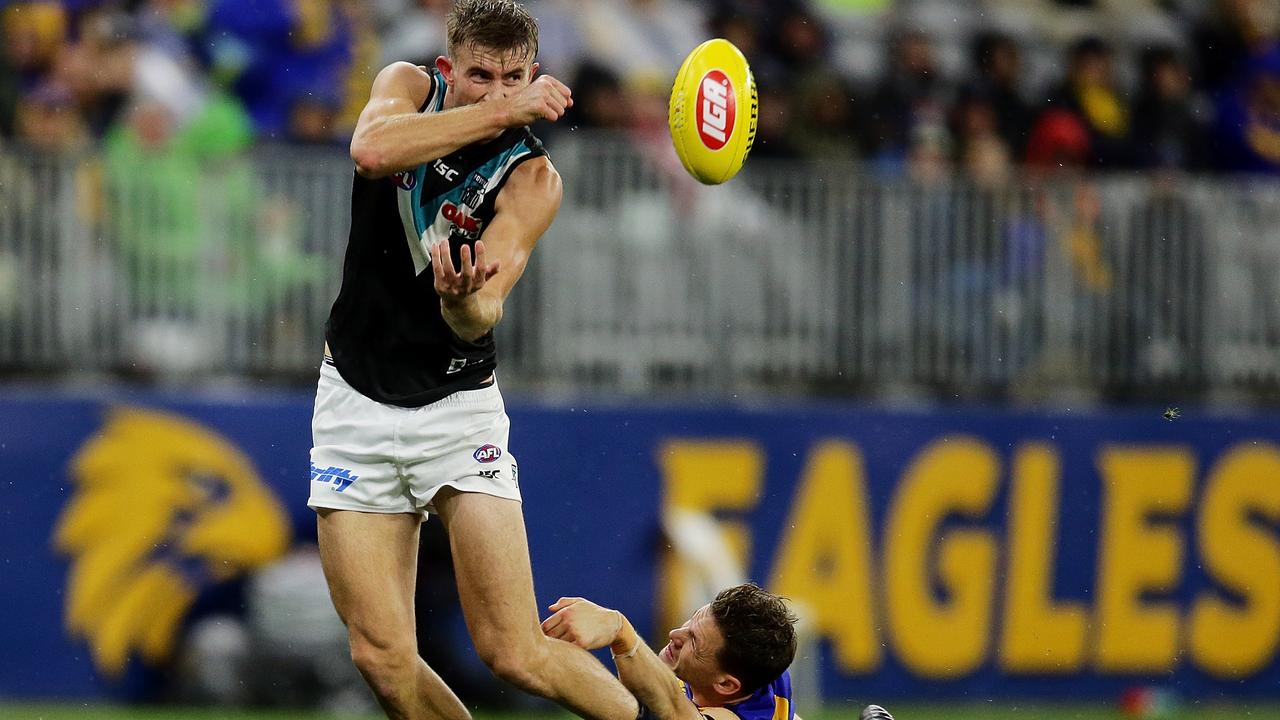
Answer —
713 108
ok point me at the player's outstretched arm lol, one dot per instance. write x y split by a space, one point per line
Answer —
471 296
391 135
641 671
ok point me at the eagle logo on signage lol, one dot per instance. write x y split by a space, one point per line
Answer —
162 509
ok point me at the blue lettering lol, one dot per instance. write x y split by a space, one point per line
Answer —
340 478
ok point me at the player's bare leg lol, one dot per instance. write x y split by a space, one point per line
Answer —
495 585
370 562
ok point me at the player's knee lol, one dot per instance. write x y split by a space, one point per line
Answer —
517 671
385 666
520 667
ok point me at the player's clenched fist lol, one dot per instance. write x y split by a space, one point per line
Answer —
544 98
454 284
582 623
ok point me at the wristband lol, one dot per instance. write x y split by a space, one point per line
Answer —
625 629
627 654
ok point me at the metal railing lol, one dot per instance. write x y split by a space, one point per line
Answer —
797 279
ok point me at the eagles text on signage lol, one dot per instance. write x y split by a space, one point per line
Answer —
961 575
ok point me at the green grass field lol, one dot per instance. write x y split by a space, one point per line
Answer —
983 711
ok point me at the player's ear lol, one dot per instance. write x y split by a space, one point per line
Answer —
728 685
445 66
533 71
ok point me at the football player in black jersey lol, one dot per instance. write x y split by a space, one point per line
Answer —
408 417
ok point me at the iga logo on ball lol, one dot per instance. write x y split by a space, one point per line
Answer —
716 109
712 115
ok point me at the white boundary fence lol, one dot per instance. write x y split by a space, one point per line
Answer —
794 279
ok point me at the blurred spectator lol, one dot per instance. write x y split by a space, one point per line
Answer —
934 252
33 34
1019 288
175 26
50 202
561 44
1163 320
647 100
1248 124
984 206
998 89
1091 93
813 110
742 25
1058 140
800 40
912 95
822 123
598 99
112 63
739 28
929 159
303 69
1168 131
1229 36
356 76
313 117
273 48
183 194
47 119
988 164
1083 241
773 128
417 34
974 120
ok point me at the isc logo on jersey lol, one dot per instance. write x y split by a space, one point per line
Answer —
712 115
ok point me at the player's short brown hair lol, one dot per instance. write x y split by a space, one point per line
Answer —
501 25
759 634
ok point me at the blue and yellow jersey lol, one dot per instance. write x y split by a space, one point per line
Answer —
771 702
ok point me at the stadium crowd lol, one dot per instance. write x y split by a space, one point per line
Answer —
1182 85
196 236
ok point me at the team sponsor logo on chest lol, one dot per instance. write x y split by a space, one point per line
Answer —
462 214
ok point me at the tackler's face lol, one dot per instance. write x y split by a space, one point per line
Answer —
476 73
691 649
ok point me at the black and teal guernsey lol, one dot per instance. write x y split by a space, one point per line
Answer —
385 332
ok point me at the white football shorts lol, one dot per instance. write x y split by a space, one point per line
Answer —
373 457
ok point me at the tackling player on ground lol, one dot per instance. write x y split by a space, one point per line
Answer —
728 662
450 195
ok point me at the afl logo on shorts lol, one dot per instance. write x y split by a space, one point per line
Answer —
406 180
716 109
487 453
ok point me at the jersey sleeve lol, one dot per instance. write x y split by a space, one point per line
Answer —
433 101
